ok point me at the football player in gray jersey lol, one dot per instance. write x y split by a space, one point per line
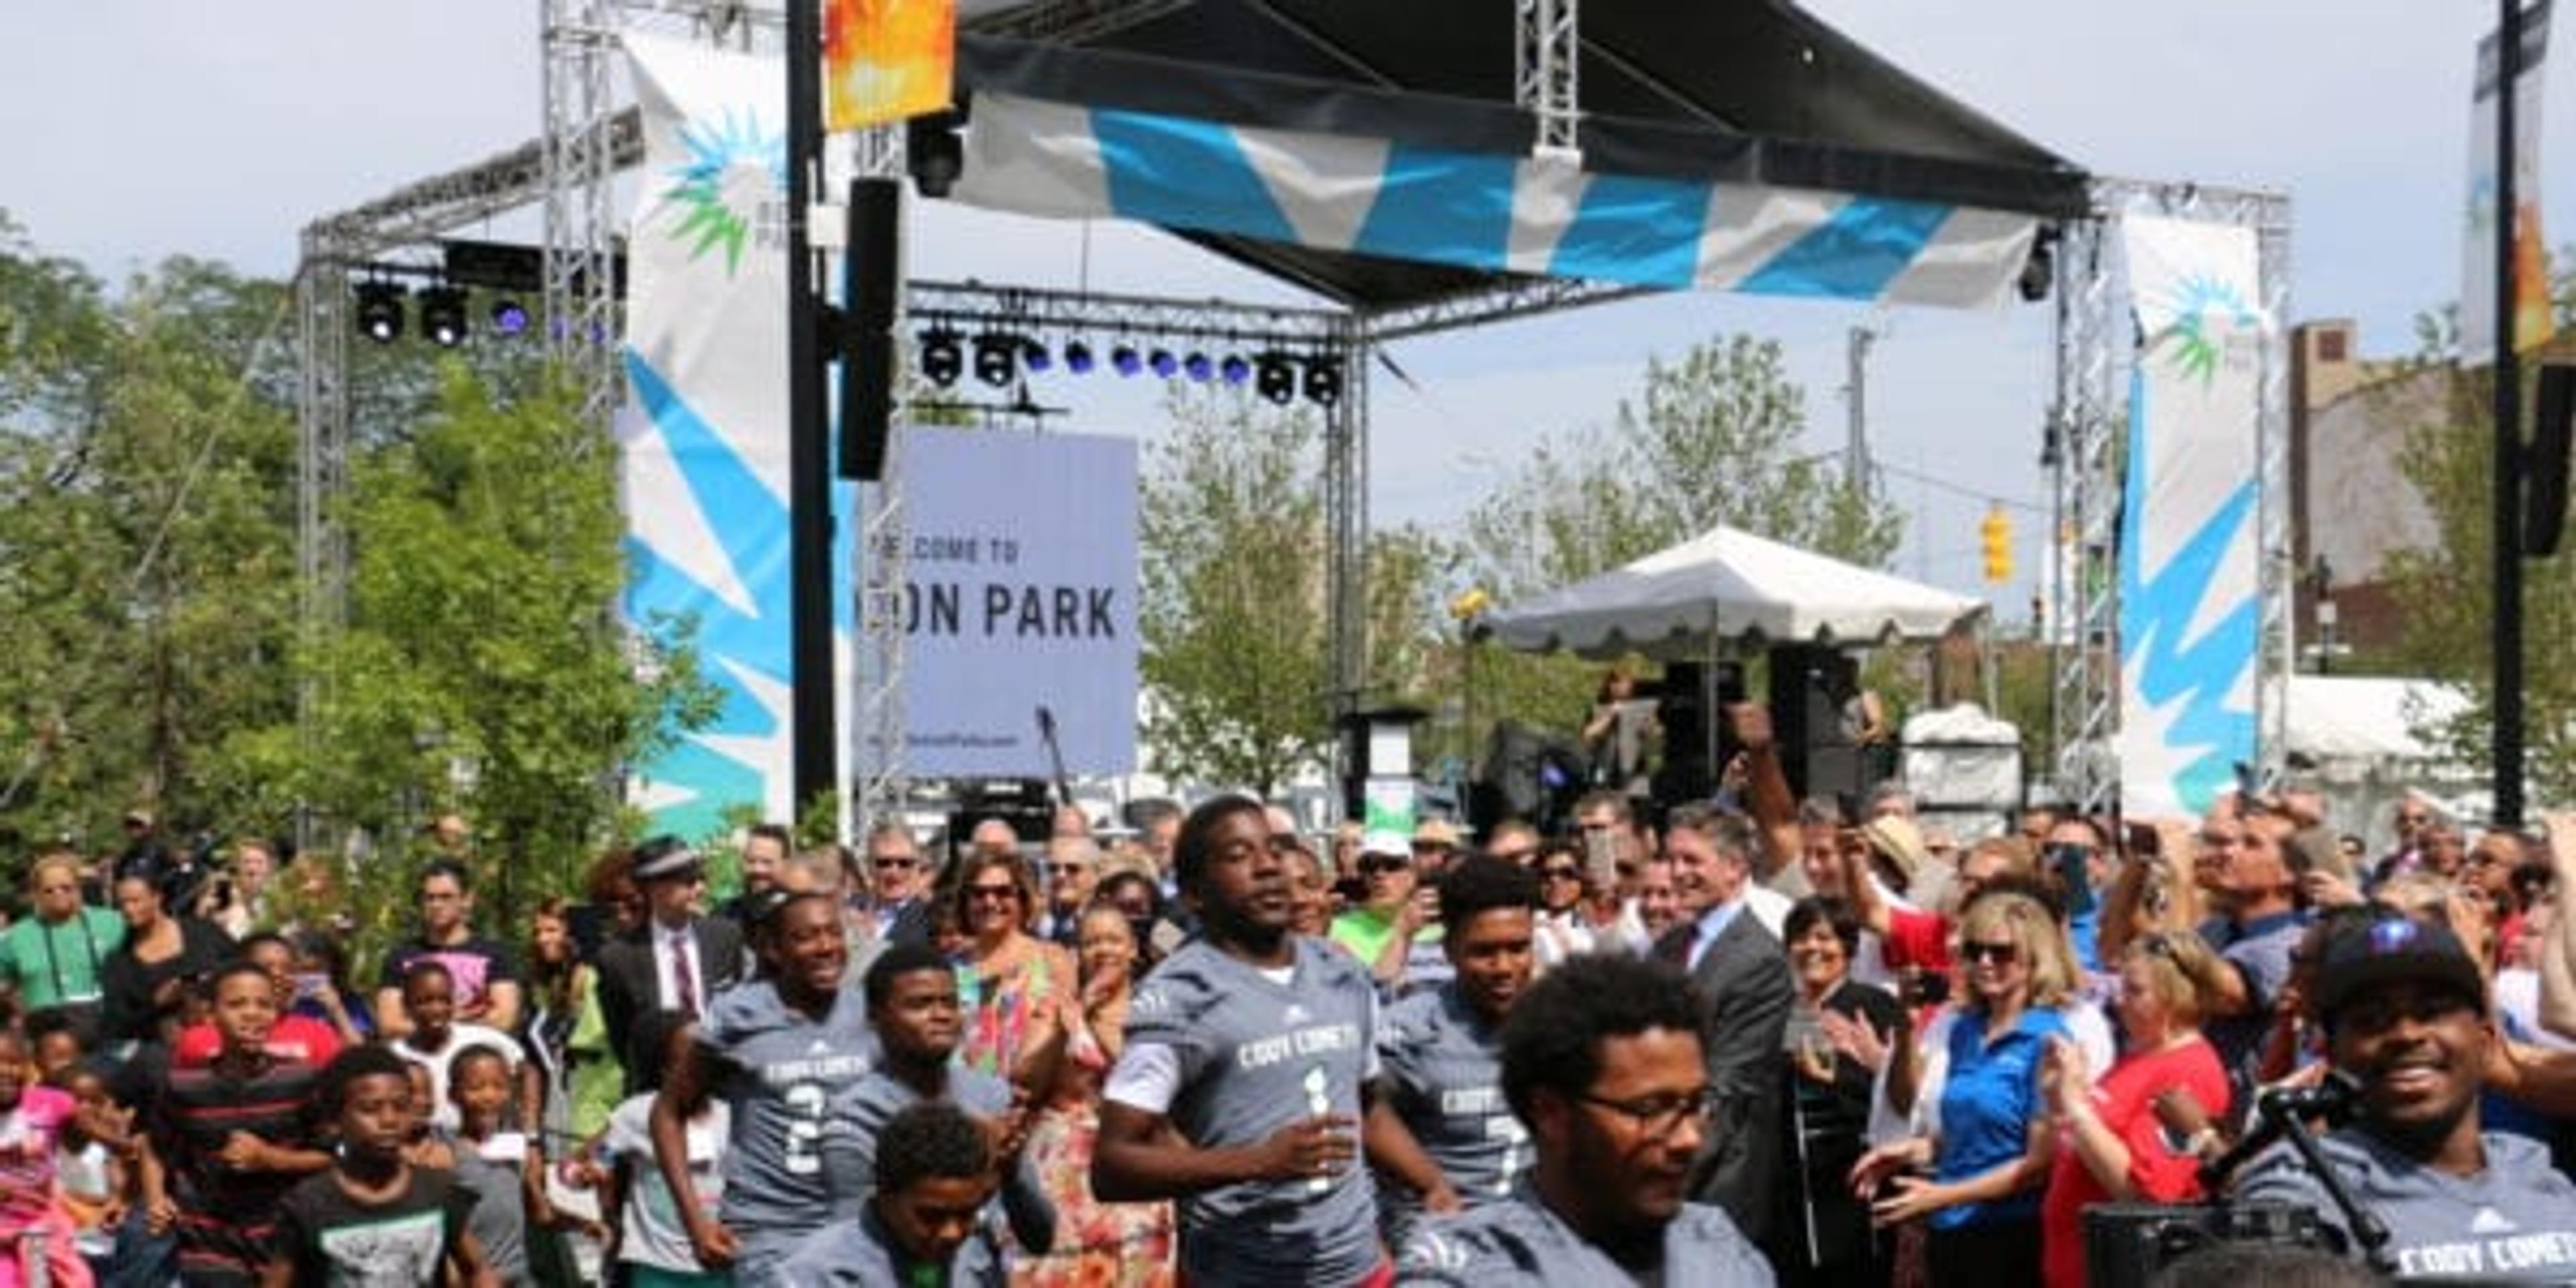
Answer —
776 1051
1440 1129
1242 1085
913 1007
924 1221
1601 1060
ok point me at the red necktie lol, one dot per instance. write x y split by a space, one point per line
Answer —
685 972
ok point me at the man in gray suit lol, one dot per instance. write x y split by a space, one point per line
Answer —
1743 973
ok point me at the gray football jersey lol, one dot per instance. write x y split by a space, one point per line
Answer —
861 1254
1518 1243
1442 1072
2516 1220
1255 1056
780 1073
859 1113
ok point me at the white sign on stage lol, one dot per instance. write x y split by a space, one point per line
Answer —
1021 594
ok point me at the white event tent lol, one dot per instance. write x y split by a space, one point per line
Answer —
1724 586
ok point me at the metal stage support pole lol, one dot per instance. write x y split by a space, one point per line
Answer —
1346 514
816 761
580 289
877 745
1548 47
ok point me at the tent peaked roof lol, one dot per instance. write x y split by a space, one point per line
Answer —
1725 585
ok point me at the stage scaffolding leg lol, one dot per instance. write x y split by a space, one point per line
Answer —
1346 513
878 773
322 474
580 165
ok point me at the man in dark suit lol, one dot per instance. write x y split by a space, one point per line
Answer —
1742 974
674 961
899 886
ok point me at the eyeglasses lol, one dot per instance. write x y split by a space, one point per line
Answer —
1067 869
1659 1115
993 892
893 863
1377 865
1999 954
1560 872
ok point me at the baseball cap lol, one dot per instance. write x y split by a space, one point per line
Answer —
2391 949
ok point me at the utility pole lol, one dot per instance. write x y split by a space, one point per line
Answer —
1856 404
815 753
2505 508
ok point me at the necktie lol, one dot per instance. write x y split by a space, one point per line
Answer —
684 972
1676 947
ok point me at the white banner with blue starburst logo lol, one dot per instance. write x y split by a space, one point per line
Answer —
2189 542
704 439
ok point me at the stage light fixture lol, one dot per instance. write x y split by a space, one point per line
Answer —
1236 369
1163 363
1077 357
1198 366
2039 272
1274 378
1034 356
442 316
942 360
1323 381
509 317
997 359
380 311
1124 360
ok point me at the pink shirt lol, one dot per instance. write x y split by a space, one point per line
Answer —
27 1135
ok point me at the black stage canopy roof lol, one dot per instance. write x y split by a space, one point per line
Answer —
1748 91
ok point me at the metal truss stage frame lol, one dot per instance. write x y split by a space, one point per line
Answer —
2096 348
588 139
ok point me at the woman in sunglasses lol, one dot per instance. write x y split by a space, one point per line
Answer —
1014 986
2113 1144
1994 1147
1562 931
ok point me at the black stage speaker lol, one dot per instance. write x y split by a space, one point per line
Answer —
1809 684
2125 1244
1527 775
869 265
2544 484
1691 701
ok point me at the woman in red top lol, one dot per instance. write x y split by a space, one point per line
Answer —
2113 1143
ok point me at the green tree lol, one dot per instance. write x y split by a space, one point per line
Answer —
147 515
1713 438
483 668
2447 585
1230 521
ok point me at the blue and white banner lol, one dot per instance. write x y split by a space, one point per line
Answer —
1020 594
2190 575
704 439
1499 213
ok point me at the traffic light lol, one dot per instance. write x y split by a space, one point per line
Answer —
1995 535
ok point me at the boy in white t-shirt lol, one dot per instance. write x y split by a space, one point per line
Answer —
649 1238
429 998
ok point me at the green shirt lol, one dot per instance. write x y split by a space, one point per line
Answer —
1365 933
53 964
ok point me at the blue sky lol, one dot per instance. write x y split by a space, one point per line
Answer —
146 129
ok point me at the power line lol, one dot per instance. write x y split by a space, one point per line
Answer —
1956 489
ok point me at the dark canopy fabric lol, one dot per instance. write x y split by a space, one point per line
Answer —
1750 91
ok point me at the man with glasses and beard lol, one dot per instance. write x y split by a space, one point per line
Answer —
1602 1061
2405 1015
1242 1086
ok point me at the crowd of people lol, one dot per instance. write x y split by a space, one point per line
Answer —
1740 1041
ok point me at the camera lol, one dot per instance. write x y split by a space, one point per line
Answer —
2125 1244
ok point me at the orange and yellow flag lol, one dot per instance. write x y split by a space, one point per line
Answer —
885 60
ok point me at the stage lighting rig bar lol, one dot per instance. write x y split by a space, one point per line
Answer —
1519 297
971 306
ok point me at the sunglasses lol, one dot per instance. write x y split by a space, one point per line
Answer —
993 892
1559 872
1383 864
892 863
1999 954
